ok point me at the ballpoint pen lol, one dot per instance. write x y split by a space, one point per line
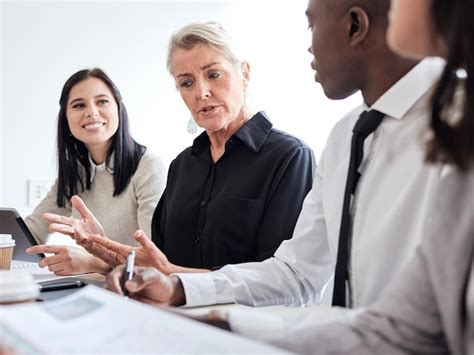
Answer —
128 274
62 285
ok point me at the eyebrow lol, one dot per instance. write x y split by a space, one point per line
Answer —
207 66
79 99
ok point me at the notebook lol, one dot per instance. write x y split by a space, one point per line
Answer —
12 223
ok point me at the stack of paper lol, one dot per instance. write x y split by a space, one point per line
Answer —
94 320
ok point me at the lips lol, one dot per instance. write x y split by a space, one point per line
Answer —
207 109
316 75
93 125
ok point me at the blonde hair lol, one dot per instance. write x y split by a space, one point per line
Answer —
208 33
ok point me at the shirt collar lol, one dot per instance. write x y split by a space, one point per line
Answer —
401 97
253 134
255 131
108 167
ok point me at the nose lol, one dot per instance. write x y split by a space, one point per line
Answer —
202 91
92 111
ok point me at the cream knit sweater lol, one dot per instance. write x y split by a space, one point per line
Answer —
121 215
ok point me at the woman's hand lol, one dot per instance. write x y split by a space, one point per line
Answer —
148 254
87 224
115 253
111 252
68 260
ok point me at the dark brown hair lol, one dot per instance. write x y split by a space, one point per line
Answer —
72 153
453 140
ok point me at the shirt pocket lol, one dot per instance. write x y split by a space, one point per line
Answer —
235 229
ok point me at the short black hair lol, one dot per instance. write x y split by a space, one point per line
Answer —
376 9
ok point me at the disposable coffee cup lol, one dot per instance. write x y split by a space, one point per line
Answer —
7 243
17 287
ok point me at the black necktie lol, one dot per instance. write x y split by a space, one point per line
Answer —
367 123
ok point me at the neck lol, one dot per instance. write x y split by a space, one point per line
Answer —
383 73
98 152
219 138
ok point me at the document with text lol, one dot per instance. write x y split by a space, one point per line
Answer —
94 320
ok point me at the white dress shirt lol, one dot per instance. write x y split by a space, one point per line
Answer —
469 331
388 205
423 310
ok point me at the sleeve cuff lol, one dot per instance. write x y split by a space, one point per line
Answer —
199 289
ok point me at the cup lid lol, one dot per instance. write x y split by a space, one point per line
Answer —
17 287
6 240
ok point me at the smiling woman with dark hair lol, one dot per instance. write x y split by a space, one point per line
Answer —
121 151
100 161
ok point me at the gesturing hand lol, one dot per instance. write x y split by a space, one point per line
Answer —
115 253
68 260
87 224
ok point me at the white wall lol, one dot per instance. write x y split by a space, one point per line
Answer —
43 43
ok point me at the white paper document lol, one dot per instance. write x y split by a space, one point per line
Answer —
39 274
94 320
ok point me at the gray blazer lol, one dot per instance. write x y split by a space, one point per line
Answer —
423 310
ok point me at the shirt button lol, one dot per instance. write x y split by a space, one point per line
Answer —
197 240
203 203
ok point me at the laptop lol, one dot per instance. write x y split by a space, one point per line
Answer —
12 223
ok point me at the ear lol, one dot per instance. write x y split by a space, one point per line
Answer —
358 25
245 67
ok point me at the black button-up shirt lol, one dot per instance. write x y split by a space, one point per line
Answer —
239 208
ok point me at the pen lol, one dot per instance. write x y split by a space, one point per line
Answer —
62 285
127 276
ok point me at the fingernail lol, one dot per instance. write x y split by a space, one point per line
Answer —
132 284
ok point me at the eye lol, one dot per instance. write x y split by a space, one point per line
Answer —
103 102
214 75
78 105
186 84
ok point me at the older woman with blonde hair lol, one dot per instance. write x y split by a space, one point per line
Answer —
236 193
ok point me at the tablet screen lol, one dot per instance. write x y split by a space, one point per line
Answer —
12 223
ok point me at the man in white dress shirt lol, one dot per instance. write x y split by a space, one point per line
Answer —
350 54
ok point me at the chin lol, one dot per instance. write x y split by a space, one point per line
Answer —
405 48
211 126
338 94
